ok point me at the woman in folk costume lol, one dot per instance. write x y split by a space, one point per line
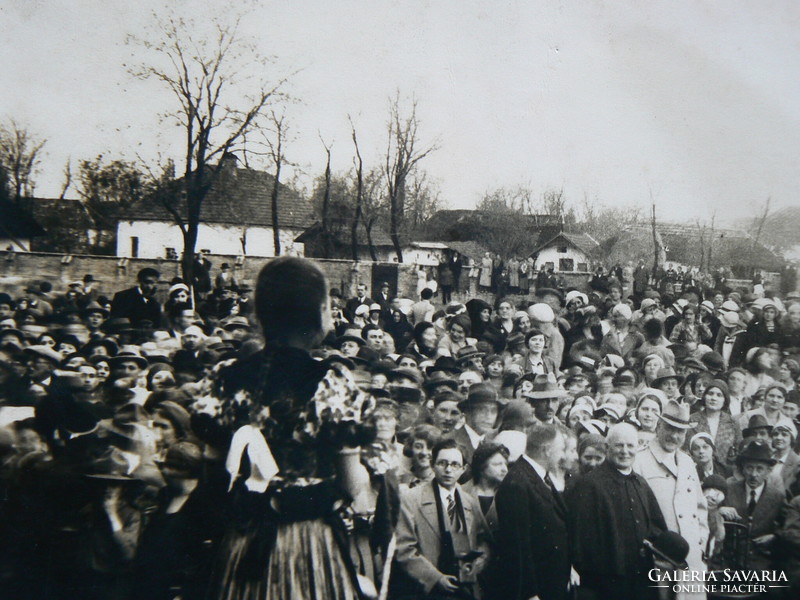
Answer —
293 458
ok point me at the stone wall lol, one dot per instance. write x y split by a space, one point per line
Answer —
18 269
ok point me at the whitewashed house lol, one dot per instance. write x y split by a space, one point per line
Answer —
236 219
566 253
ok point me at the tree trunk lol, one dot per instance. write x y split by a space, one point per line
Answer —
326 202
396 213
368 229
656 249
276 236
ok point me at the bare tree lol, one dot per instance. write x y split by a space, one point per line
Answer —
403 154
760 219
20 156
502 221
326 203
359 165
656 245
107 187
208 79
67 179
275 144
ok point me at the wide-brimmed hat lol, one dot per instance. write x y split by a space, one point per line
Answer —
234 322
671 547
545 387
439 378
758 451
126 354
676 414
366 356
694 363
443 364
45 352
543 292
466 353
664 374
348 337
93 307
756 421
406 373
479 393
117 325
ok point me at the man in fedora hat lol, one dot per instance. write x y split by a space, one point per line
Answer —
480 409
545 398
755 499
673 478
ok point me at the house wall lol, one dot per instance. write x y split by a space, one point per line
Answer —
155 237
422 256
551 254
18 269
18 245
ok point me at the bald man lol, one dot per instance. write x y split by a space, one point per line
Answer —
610 512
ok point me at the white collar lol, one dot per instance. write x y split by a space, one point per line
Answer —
474 437
540 470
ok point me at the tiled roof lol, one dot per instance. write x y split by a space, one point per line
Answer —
582 241
240 196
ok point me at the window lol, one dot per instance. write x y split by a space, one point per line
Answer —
171 254
134 247
549 265
566 264
583 267
562 249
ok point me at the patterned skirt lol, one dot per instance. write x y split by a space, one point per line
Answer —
304 563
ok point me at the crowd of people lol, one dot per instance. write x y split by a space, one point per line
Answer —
294 442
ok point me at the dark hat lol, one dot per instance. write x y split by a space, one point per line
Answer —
757 451
545 387
93 307
479 393
515 339
403 372
184 456
671 547
234 322
348 337
676 414
117 325
713 361
466 353
757 421
715 482
693 363
445 364
405 395
448 396
679 351
664 374
366 356
542 292
379 393
128 353
439 378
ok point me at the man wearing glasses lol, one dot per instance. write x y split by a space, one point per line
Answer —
442 535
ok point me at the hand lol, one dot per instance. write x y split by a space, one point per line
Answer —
534 598
574 579
448 583
729 513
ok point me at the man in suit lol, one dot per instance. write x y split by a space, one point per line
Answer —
534 555
384 298
139 303
442 535
673 478
755 499
353 303
480 409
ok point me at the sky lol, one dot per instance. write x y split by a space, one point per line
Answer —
693 104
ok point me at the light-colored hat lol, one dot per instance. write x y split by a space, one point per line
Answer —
786 423
729 306
676 414
541 312
729 319
622 310
362 309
